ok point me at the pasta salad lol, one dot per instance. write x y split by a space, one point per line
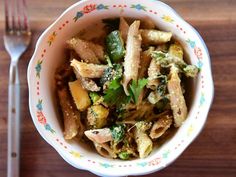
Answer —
123 91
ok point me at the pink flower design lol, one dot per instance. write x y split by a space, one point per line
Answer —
198 52
41 117
154 162
89 8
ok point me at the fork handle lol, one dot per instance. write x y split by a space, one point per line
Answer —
13 154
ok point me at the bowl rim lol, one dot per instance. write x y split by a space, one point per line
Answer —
210 96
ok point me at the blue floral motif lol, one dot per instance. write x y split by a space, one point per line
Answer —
202 99
199 64
78 15
38 68
101 6
165 154
39 105
49 128
142 164
138 7
191 43
106 165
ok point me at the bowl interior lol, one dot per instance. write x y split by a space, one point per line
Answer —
50 53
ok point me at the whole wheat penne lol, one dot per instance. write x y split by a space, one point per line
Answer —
99 135
177 101
71 116
123 28
87 51
160 126
132 57
88 70
154 37
153 71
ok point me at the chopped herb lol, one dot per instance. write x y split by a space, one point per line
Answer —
136 88
115 94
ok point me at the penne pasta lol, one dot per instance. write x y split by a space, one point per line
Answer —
176 50
177 101
144 143
87 51
71 116
88 70
153 72
154 37
145 62
105 150
132 57
99 135
123 28
160 126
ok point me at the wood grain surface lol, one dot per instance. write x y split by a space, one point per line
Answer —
213 153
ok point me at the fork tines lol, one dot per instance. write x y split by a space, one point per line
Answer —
16 17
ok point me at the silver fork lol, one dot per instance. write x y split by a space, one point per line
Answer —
17 38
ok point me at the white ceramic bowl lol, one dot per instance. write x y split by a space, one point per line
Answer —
49 54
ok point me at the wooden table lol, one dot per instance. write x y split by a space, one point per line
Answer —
213 153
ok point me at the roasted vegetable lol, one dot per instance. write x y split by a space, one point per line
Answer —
94 96
97 116
124 155
118 132
80 95
111 73
115 46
